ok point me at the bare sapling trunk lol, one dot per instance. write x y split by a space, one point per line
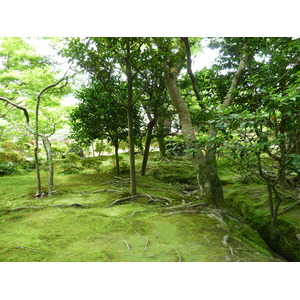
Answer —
116 145
47 146
150 127
36 134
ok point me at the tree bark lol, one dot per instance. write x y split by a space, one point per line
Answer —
133 189
150 127
190 72
36 134
47 146
116 145
210 187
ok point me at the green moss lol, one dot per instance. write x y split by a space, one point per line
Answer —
133 231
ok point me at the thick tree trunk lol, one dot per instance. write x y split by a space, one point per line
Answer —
150 127
210 187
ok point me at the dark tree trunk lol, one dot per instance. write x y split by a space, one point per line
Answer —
116 145
160 131
150 127
133 190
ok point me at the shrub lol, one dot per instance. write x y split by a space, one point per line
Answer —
10 163
71 164
124 168
8 168
92 163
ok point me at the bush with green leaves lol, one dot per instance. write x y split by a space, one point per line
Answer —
92 163
72 164
175 148
10 163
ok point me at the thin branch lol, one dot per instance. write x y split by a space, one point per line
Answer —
288 208
19 107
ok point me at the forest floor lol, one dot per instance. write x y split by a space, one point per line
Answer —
81 222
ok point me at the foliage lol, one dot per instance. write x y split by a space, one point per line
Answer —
10 163
92 163
72 164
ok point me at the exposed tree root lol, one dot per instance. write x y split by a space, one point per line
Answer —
46 206
150 197
189 205
117 201
107 191
179 212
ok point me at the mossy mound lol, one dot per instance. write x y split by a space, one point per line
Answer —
145 228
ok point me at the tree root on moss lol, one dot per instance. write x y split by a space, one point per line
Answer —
189 205
117 201
179 212
107 191
150 197
186 208
46 206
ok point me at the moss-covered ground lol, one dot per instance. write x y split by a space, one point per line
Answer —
251 202
78 224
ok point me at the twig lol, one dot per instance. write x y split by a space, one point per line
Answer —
179 256
32 249
288 208
59 209
206 238
146 246
127 245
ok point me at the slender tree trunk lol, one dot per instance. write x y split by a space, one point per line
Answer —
47 146
133 189
36 149
116 145
93 149
150 127
160 130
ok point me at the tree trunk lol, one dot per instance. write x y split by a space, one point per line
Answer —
116 145
210 187
150 127
47 146
133 190
160 132
36 149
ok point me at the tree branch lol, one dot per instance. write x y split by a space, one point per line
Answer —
19 107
